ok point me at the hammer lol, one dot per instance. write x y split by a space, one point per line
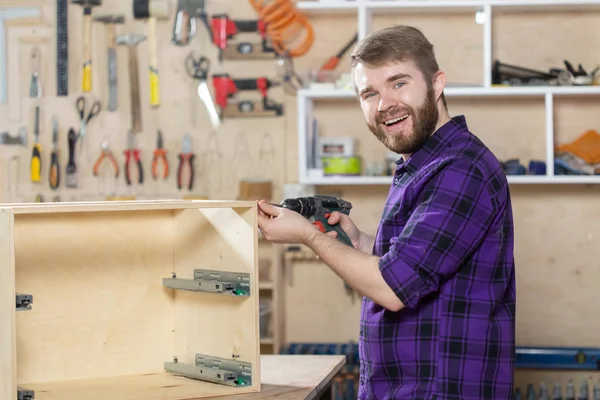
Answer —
86 83
110 21
152 10
131 41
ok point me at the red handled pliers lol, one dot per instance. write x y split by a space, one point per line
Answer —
132 154
186 157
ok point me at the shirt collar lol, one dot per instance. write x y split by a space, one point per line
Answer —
433 145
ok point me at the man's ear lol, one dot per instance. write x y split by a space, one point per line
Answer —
439 83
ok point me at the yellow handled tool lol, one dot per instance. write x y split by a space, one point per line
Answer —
151 11
36 164
86 79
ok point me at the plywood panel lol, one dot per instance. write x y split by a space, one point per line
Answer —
102 321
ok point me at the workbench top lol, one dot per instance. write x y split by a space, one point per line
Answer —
294 376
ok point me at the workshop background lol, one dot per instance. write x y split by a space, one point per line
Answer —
257 150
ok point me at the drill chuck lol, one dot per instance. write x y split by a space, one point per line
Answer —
315 205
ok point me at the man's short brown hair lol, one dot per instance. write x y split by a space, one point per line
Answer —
398 43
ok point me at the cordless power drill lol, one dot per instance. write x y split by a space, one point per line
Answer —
317 210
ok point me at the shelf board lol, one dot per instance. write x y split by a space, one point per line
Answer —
327 7
469 91
446 6
512 179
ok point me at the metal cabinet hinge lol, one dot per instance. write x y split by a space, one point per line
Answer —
24 301
214 369
25 394
212 281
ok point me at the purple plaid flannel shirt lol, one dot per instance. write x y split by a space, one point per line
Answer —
446 247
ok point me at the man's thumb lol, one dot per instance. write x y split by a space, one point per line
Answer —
268 208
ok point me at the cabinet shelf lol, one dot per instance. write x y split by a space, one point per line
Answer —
442 6
512 179
469 91
365 11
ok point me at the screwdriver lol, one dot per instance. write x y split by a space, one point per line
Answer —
36 165
54 168
334 60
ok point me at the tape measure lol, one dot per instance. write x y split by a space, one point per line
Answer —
62 48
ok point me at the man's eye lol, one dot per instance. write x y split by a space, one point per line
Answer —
398 84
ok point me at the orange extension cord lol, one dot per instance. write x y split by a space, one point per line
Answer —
285 24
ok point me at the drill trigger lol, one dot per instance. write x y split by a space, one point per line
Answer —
319 225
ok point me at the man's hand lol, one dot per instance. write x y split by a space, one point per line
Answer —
281 225
360 240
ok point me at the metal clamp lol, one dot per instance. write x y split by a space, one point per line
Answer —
214 369
213 281
24 301
25 394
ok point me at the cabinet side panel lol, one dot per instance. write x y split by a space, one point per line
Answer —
8 356
99 307
213 324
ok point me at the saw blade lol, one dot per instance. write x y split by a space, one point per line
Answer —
206 98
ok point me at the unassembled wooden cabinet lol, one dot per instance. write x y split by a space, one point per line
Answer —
129 300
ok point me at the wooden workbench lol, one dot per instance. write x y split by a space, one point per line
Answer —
294 377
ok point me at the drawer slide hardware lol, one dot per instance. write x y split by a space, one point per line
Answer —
24 301
212 281
214 369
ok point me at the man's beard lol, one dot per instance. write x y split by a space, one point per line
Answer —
424 120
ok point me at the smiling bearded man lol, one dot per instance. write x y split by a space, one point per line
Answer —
438 278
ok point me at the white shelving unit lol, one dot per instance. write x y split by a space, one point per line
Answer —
482 11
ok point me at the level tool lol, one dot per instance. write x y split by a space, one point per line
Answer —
62 48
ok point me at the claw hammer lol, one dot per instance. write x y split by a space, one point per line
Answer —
110 21
151 10
131 41
86 80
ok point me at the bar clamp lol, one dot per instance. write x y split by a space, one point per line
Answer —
214 369
213 281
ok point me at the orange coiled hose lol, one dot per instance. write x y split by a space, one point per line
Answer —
284 25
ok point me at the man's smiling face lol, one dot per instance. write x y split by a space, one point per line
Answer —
399 104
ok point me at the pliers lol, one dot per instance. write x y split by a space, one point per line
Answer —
132 154
160 154
106 154
186 157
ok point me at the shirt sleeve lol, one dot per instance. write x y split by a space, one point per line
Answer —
452 214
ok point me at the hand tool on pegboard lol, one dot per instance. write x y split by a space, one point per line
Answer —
106 154
197 68
10 14
151 10
20 139
132 156
62 47
36 164
54 177
71 170
86 37
226 87
110 20
35 87
160 157
186 162
184 26
224 28
131 41
94 110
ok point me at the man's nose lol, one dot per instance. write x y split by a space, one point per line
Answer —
386 102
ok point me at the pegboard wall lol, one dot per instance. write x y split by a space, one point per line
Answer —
247 148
